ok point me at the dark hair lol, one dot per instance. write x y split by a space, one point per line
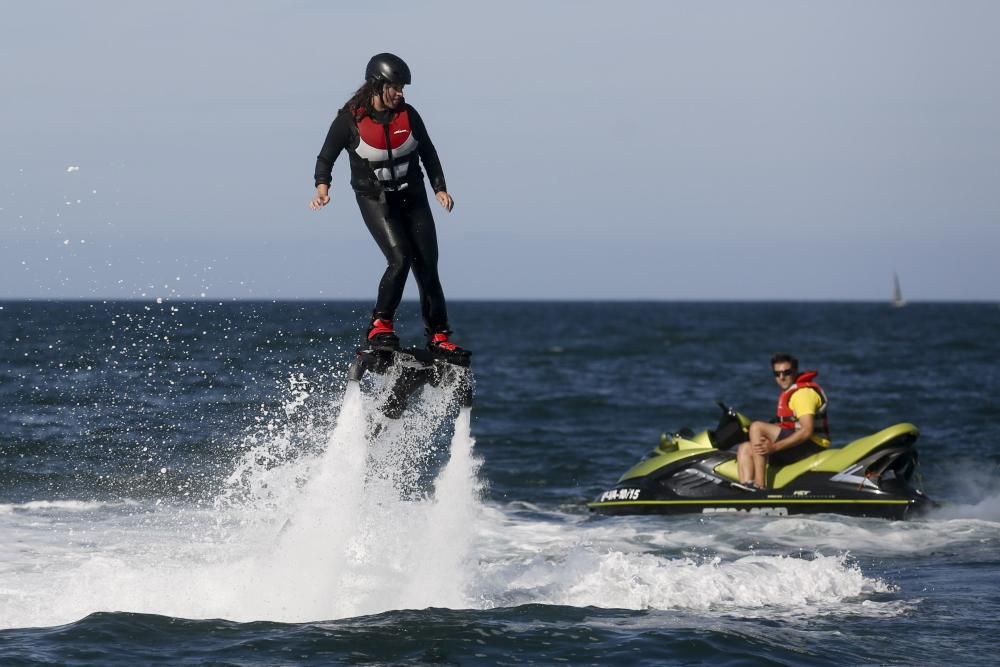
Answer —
360 104
781 357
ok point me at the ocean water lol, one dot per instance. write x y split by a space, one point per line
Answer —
195 483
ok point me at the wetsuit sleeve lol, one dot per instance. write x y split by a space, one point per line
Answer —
428 155
337 139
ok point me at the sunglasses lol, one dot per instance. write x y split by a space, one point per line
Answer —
790 372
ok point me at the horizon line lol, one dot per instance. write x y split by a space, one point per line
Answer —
313 299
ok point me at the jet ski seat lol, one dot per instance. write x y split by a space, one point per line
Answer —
835 459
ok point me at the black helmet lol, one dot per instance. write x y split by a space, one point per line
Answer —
387 68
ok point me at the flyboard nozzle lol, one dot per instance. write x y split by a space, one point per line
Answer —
357 369
464 389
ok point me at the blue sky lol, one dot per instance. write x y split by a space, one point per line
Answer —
628 150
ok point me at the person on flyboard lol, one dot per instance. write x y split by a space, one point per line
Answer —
386 141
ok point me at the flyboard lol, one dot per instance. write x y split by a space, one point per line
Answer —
406 371
410 370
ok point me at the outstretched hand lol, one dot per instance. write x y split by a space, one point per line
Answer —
445 200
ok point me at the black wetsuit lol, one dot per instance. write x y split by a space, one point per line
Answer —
394 205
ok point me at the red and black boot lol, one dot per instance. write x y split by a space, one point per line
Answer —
444 349
381 336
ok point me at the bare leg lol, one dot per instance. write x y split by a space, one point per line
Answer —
744 462
760 432
760 470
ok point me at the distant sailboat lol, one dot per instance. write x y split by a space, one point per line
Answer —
897 294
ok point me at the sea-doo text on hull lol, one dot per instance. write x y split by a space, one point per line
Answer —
873 476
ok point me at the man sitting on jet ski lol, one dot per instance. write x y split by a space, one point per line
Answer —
799 430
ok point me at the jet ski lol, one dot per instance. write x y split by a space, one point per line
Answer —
407 370
874 476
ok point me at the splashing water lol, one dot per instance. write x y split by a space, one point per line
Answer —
357 515
441 572
358 543
340 532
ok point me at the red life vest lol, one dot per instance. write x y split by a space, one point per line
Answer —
390 150
786 417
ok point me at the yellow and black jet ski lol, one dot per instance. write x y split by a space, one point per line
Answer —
696 473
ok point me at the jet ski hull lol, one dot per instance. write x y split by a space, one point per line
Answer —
771 505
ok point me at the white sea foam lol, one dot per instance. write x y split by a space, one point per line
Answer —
634 564
61 505
341 530
986 509
645 581
974 489
339 514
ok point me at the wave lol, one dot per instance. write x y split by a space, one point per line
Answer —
64 505
353 516
377 519
749 586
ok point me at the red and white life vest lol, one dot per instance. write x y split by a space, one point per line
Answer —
390 150
786 417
